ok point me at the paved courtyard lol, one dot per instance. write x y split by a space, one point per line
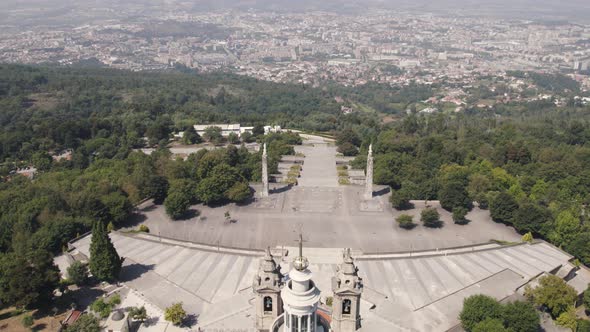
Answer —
330 216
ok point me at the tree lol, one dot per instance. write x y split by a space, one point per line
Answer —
219 181
233 138
568 318
453 194
78 273
459 214
27 279
586 298
430 217
177 204
157 188
580 248
258 130
85 323
555 294
105 263
530 217
400 199
118 205
347 149
490 325
478 308
566 228
213 135
247 137
405 221
190 136
158 131
240 192
520 316
175 314
348 136
139 314
42 161
503 207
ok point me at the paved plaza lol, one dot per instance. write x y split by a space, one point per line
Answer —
408 293
330 216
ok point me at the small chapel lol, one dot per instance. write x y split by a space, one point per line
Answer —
291 302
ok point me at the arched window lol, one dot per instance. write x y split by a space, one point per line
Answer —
346 307
267 303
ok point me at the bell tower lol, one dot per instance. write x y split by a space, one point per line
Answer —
347 287
267 288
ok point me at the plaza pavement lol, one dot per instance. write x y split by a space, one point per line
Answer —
330 216
409 293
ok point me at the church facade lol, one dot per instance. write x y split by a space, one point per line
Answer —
291 303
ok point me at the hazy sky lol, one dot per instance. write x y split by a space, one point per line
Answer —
567 10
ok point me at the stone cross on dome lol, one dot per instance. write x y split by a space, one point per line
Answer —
300 262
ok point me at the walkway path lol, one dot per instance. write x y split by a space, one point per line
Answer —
319 169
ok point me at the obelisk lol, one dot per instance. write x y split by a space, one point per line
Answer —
369 179
264 173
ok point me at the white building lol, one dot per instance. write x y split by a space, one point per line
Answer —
235 128
226 129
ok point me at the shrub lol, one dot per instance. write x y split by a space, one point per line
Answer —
329 301
86 323
459 214
405 221
528 237
144 228
478 308
103 308
27 321
138 313
568 318
430 217
175 314
583 325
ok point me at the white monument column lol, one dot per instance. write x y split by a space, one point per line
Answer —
369 179
264 173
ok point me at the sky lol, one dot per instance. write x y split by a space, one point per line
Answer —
563 10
